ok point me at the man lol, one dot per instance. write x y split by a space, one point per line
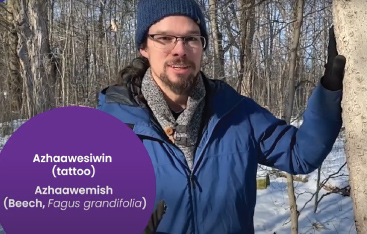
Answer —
204 139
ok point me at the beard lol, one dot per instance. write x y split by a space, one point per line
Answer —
185 83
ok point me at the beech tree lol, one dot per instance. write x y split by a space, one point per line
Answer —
350 29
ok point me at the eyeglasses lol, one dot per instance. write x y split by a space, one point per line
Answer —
167 42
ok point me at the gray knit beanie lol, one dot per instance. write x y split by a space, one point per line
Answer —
151 11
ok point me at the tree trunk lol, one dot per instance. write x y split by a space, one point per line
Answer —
350 30
290 101
247 25
217 41
15 79
318 187
34 54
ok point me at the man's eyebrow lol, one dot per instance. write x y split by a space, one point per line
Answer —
193 32
169 33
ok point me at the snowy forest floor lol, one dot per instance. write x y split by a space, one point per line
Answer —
334 214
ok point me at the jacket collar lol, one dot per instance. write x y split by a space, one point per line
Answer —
220 99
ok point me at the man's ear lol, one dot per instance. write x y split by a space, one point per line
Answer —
143 52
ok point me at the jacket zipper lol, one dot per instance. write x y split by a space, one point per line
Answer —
192 181
192 175
193 204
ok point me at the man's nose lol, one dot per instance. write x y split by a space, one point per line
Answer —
179 48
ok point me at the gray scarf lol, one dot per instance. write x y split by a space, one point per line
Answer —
184 131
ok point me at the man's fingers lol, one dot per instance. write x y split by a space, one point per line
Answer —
155 218
161 209
332 50
339 66
331 32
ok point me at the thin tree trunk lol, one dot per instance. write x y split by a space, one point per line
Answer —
318 187
15 79
217 40
247 25
289 108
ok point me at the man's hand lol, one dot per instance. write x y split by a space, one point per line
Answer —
156 218
334 69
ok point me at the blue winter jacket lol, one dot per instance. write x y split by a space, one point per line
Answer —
219 195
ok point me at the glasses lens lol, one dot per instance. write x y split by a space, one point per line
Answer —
163 41
194 41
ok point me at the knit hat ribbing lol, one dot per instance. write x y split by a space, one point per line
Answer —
152 11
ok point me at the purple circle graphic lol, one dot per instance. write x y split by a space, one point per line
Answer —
75 170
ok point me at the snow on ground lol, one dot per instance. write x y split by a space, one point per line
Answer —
8 127
334 214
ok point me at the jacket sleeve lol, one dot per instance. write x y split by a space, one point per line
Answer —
300 150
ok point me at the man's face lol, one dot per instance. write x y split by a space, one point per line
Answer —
177 66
